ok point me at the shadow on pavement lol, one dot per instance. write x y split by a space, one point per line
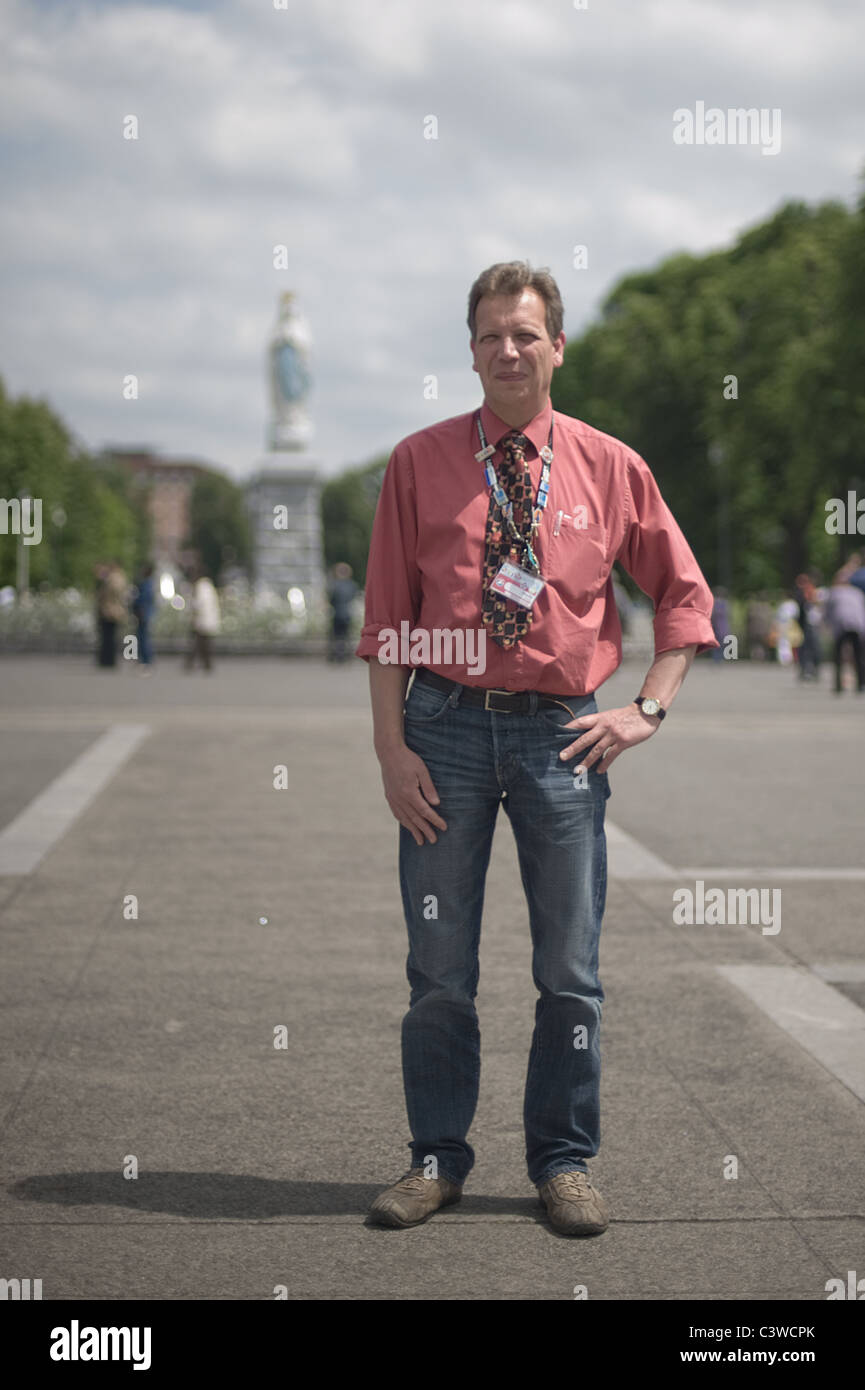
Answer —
222 1195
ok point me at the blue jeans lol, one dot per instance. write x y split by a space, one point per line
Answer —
145 649
479 760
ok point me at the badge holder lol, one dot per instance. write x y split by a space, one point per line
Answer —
518 584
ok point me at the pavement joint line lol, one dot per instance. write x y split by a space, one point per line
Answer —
481 1218
796 1293
825 1023
668 1294
41 1050
43 823
698 1102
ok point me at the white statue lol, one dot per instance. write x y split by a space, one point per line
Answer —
290 378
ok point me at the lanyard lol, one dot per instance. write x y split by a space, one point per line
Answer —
484 456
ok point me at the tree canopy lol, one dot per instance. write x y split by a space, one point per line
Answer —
733 375
89 512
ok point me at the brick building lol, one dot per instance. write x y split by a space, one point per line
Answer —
167 484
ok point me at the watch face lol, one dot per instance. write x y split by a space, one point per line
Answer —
651 706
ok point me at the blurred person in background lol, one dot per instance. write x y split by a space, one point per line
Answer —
788 634
720 621
111 609
853 571
809 618
206 620
100 569
845 618
142 607
759 622
342 594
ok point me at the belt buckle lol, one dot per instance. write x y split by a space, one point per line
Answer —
488 706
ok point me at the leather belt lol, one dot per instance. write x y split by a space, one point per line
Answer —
499 701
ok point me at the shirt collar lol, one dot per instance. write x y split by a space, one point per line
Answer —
537 430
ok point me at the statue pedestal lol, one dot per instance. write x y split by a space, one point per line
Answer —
287 544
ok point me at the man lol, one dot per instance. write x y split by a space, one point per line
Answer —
845 617
206 620
459 550
342 594
853 572
111 588
805 594
143 607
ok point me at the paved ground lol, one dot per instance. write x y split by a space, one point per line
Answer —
259 909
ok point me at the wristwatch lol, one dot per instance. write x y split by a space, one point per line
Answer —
649 705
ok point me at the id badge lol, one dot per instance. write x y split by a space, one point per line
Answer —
515 583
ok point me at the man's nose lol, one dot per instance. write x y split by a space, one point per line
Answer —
509 348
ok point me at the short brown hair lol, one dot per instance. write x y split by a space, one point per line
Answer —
512 277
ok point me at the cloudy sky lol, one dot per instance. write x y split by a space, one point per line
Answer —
302 123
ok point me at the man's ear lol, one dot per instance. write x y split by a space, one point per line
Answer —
560 348
474 358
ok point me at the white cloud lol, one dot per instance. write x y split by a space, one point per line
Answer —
773 40
305 127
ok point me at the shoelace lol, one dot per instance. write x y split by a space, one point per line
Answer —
575 1185
414 1181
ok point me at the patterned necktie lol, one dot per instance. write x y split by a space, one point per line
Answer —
506 621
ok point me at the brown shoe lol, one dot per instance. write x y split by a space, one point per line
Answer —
574 1207
413 1199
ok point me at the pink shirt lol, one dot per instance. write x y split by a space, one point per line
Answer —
427 550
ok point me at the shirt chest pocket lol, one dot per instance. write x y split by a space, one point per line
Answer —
576 564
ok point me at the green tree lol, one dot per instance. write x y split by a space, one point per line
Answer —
348 505
849 355
219 526
88 511
724 372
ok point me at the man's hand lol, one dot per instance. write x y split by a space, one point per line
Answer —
608 734
410 793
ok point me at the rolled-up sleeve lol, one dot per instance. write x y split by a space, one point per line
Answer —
393 581
656 555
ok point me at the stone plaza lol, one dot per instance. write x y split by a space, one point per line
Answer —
203 986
